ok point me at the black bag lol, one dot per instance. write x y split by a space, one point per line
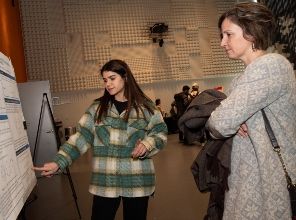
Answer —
291 187
292 193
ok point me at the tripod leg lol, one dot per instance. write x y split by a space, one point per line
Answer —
73 191
58 146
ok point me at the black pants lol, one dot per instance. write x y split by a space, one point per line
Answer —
133 208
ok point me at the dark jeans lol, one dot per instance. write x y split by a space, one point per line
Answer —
133 208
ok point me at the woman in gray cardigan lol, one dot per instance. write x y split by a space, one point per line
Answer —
257 183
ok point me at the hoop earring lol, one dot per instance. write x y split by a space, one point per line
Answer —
253 47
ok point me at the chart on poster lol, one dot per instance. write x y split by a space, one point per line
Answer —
17 179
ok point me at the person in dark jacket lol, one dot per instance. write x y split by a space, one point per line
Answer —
182 101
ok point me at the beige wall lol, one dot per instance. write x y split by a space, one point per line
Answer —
67 41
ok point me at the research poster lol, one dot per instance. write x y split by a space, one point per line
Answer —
17 179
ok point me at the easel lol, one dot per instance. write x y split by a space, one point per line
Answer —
44 101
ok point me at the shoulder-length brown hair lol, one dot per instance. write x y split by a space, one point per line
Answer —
133 93
255 19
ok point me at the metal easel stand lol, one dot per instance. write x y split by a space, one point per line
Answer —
22 214
44 101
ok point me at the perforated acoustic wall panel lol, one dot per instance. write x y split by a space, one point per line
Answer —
67 41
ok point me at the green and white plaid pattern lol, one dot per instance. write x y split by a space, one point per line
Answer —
114 172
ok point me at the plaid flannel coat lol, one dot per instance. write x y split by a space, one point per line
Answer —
114 172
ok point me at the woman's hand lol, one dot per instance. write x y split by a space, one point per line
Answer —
243 130
140 150
48 169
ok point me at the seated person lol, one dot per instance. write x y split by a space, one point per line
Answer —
173 111
157 103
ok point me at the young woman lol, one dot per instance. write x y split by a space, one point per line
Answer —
124 129
257 183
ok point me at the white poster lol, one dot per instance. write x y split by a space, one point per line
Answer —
17 179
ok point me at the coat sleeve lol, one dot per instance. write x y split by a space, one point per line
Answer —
261 84
156 135
79 142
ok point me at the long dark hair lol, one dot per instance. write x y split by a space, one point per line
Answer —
255 19
132 92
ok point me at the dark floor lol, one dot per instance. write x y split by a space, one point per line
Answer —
176 196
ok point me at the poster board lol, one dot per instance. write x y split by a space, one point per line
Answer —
17 179
31 96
